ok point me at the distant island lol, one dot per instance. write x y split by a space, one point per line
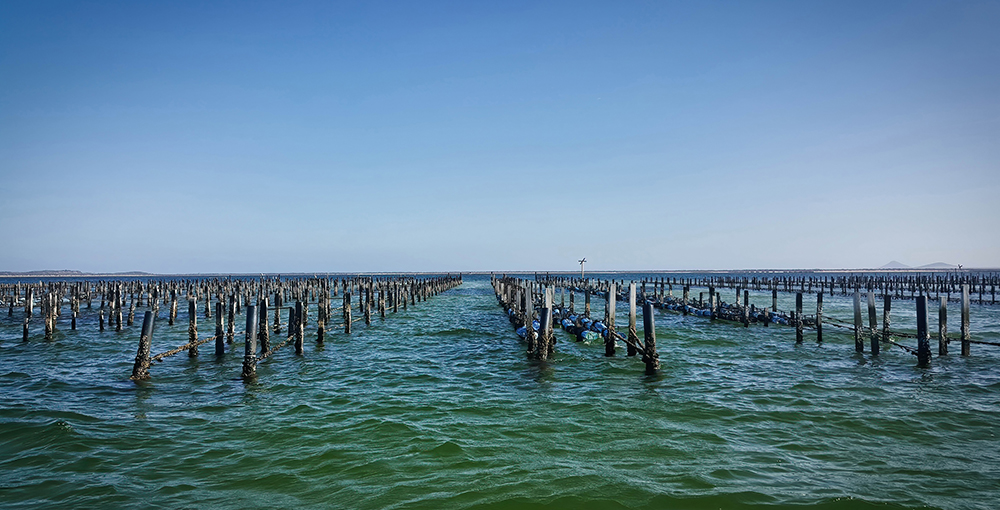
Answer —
70 272
895 264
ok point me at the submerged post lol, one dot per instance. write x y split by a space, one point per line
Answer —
140 370
220 342
923 341
609 341
192 328
966 345
819 317
873 322
544 333
649 355
859 343
886 308
943 327
250 345
633 336
798 317
263 338
300 325
347 312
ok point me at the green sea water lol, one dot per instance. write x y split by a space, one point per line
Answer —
438 407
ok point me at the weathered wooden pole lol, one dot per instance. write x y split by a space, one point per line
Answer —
529 314
173 307
250 344
192 327
923 341
819 316
966 345
684 300
220 340
649 355
368 305
774 300
943 327
633 335
321 319
609 342
859 343
586 305
798 317
231 318
299 330
712 302
873 322
118 308
746 308
347 312
886 319
545 333
263 338
140 370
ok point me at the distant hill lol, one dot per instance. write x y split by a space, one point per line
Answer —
939 265
895 264
68 272
45 272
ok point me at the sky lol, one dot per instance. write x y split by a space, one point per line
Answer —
245 137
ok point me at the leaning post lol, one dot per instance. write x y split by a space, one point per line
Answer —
140 370
649 355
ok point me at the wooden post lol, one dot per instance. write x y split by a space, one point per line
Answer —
923 341
859 343
798 317
746 308
173 308
886 320
368 306
192 327
633 335
263 338
684 300
220 342
321 322
609 342
873 323
529 313
250 345
231 319
299 330
586 305
544 337
712 302
943 327
966 346
140 370
649 356
774 300
347 312
819 316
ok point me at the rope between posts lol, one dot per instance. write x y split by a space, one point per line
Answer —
184 347
265 355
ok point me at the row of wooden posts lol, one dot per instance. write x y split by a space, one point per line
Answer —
230 297
519 297
898 285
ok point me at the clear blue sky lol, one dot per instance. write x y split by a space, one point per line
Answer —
326 136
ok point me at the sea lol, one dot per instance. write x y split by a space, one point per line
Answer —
439 407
